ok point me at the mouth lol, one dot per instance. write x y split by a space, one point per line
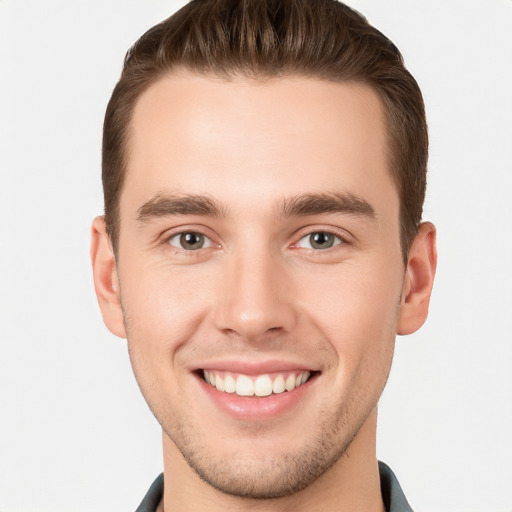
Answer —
260 386
258 391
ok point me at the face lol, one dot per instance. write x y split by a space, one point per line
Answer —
260 272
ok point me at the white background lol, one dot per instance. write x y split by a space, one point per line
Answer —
75 434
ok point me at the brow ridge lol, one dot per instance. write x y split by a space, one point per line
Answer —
162 205
332 202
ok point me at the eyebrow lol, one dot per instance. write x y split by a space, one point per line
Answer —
163 205
314 204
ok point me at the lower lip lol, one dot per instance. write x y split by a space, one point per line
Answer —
257 408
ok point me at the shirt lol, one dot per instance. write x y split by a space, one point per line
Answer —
392 494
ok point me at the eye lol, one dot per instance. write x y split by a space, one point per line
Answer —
190 241
319 240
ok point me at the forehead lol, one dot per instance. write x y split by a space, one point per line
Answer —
244 139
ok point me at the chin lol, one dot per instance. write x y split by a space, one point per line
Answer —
272 470
272 477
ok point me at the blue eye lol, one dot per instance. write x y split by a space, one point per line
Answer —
319 240
190 241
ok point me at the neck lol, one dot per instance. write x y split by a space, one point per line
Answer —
352 483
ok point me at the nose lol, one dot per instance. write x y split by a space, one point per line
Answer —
255 297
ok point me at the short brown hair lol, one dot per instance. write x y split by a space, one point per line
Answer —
275 38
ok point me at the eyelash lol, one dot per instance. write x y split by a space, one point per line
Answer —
166 241
341 239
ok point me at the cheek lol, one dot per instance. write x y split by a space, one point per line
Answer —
163 307
356 310
162 311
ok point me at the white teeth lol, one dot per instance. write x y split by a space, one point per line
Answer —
290 383
229 384
209 377
219 383
244 386
278 385
262 385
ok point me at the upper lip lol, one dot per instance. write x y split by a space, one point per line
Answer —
254 367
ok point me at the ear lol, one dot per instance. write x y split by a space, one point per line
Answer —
418 281
106 280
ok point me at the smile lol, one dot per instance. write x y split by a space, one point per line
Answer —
255 385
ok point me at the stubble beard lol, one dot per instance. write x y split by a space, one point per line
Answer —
269 475
266 475
273 475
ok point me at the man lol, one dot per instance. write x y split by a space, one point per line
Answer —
264 169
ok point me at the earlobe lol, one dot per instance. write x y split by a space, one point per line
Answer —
106 281
418 281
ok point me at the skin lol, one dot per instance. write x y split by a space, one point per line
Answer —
257 291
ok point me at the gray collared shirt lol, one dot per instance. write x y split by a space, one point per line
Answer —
392 494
